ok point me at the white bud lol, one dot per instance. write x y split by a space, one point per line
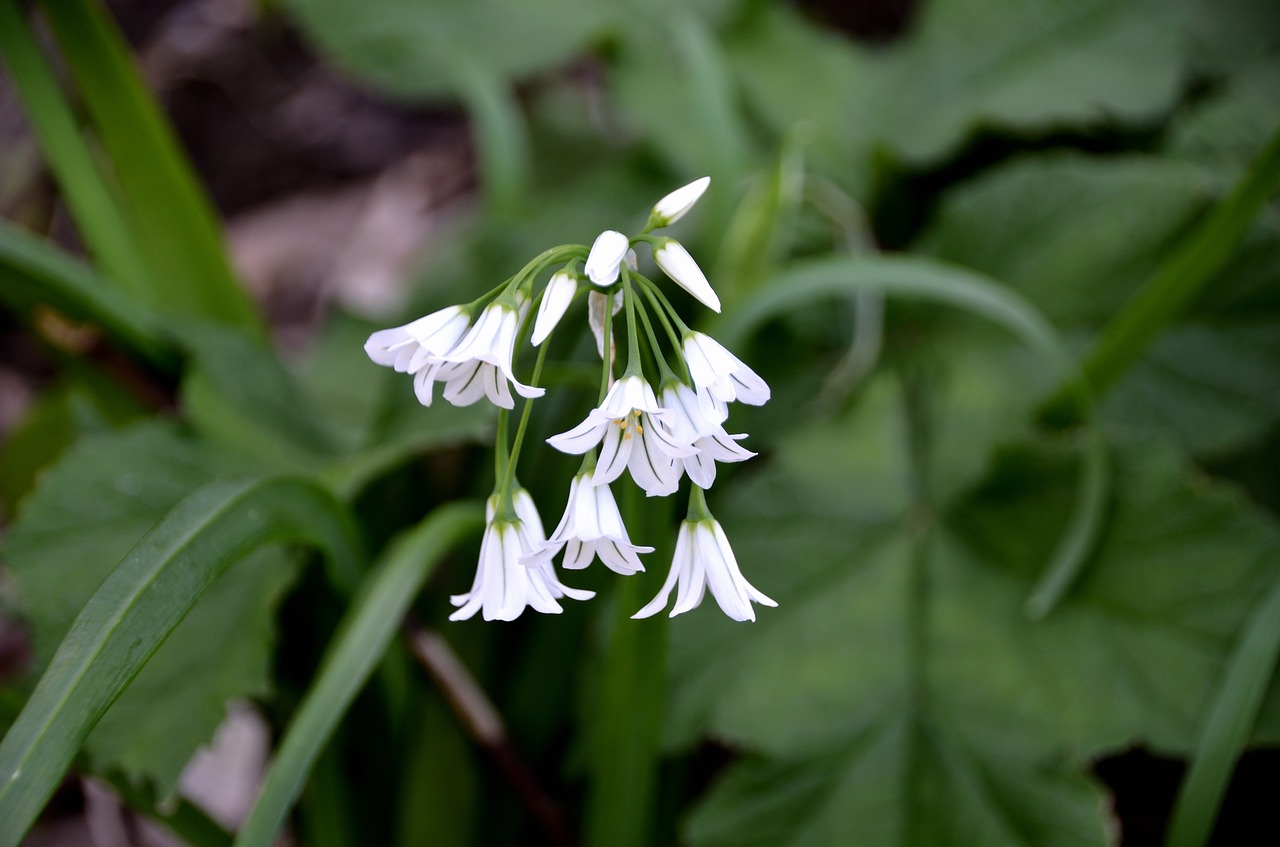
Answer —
555 299
676 263
673 207
607 253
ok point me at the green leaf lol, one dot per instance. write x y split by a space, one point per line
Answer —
190 274
808 282
86 513
899 696
962 66
136 608
1077 235
94 208
361 641
36 273
409 49
239 394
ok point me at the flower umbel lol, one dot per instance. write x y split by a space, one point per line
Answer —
473 349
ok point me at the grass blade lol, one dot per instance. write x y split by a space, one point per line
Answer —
1227 726
844 277
36 273
136 608
176 226
501 138
361 641
95 210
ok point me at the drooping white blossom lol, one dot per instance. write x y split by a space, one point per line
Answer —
676 263
504 586
591 526
722 374
694 418
632 439
555 300
480 364
673 207
606 257
410 347
704 558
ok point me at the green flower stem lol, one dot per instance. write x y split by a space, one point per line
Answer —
665 373
606 348
633 336
667 307
1175 284
698 510
509 475
625 753
648 288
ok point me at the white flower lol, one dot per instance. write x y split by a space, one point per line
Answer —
720 373
673 207
703 557
480 364
632 438
676 263
607 254
555 299
694 418
591 526
408 348
503 586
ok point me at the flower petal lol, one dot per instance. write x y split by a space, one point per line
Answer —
555 300
606 255
676 263
673 207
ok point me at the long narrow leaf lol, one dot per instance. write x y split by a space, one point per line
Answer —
501 137
179 230
136 608
35 272
1227 727
95 210
363 638
930 280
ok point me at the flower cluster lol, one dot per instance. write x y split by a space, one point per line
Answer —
662 419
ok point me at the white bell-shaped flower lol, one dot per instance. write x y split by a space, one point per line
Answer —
591 526
503 586
722 374
673 207
694 418
410 347
632 439
704 558
480 364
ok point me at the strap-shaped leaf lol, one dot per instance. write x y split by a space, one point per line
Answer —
34 271
931 280
136 608
176 227
362 639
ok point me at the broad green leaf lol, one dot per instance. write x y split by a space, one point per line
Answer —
899 687
239 394
190 274
1078 235
135 609
409 49
85 514
963 65
360 642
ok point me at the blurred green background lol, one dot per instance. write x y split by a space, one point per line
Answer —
209 204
